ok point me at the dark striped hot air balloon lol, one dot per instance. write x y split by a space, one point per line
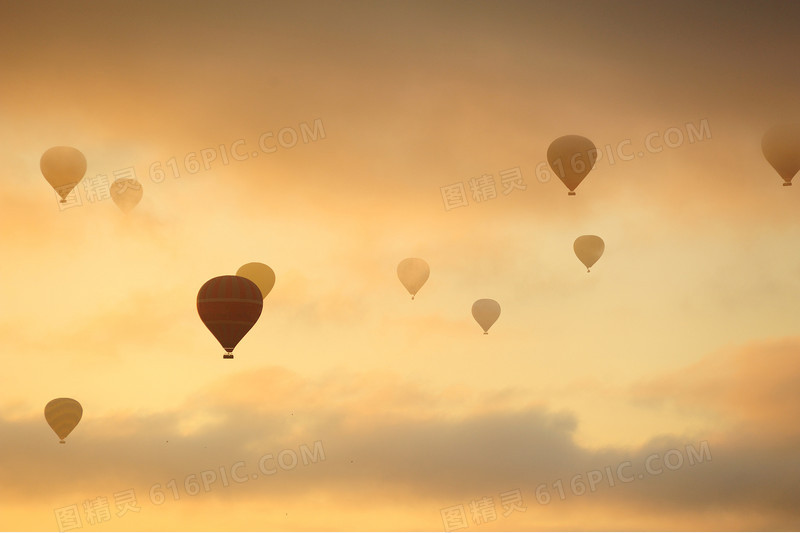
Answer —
63 414
229 306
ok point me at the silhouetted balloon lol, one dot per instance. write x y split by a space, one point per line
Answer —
781 148
63 167
62 415
229 306
589 248
126 193
260 274
486 312
572 157
413 273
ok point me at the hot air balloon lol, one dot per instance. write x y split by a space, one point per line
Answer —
126 193
486 312
229 306
413 273
572 157
781 148
62 415
63 167
589 248
260 274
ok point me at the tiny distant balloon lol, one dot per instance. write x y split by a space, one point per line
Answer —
62 415
63 167
260 274
229 306
781 148
572 157
413 273
126 193
486 312
589 248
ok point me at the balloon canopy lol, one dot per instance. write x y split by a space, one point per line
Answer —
63 167
486 313
126 193
229 306
572 157
589 248
62 415
413 273
781 148
260 274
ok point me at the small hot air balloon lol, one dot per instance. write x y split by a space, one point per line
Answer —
63 167
413 273
781 148
62 415
485 312
229 306
589 248
126 193
260 274
571 157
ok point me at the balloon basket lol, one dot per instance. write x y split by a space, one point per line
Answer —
485 332
62 442
228 356
571 193
788 184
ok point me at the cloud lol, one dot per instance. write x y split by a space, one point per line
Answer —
752 387
397 441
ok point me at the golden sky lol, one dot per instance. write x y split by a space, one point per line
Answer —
321 136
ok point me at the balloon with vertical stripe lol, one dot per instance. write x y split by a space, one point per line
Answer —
229 306
126 193
260 274
63 167
486 312
413 273
63 414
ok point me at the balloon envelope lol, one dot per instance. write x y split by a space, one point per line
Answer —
229 306
260 274
63 167
413 273
126 193
486 312
589 248
781 148
62 415
572 157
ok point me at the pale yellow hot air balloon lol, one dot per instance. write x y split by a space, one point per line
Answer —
260 274
126 193
486 312
572 157
589 248
781 148
413 273
63 167
63 414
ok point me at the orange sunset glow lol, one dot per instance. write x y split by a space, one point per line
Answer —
367 208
